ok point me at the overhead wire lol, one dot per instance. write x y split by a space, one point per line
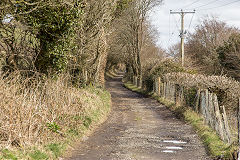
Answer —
175 29
169 27
176 22
200 9
191 22
211 2
220 6
190 4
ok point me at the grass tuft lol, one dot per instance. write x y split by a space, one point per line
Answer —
6 154
56 149
38 155
87 122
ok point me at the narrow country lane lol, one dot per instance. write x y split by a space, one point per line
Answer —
139 128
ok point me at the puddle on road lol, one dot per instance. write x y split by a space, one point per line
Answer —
168 151
174 148
174 141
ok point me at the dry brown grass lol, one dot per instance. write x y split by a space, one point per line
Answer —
39 112
229 85
227 89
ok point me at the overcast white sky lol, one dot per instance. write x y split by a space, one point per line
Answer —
169 25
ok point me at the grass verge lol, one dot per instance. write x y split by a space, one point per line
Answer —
91 109
215 146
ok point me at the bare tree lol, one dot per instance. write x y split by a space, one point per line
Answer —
131 32
91 41
202 44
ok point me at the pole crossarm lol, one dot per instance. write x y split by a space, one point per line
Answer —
182 33
181 12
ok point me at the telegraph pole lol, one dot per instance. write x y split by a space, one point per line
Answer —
182 32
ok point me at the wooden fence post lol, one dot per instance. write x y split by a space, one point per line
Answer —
139 82
219 124
172 92
182 100
211 110
226 126
167 89
207 114
164 90
159 86
156 85
202 103
86 76
177 95
197 101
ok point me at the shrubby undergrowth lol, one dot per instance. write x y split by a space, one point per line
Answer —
158 68
40 112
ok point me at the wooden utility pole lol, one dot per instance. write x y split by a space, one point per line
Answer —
182 33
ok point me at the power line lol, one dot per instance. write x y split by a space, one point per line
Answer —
206 4
169 26
220 6
190 4
172 33
191 22
176 22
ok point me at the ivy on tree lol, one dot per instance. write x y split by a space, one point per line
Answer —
54 22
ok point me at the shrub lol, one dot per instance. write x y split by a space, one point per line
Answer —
155 69
229 56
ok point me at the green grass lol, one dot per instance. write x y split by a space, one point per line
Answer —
214 145
38 155
6 154
87 122
56 149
